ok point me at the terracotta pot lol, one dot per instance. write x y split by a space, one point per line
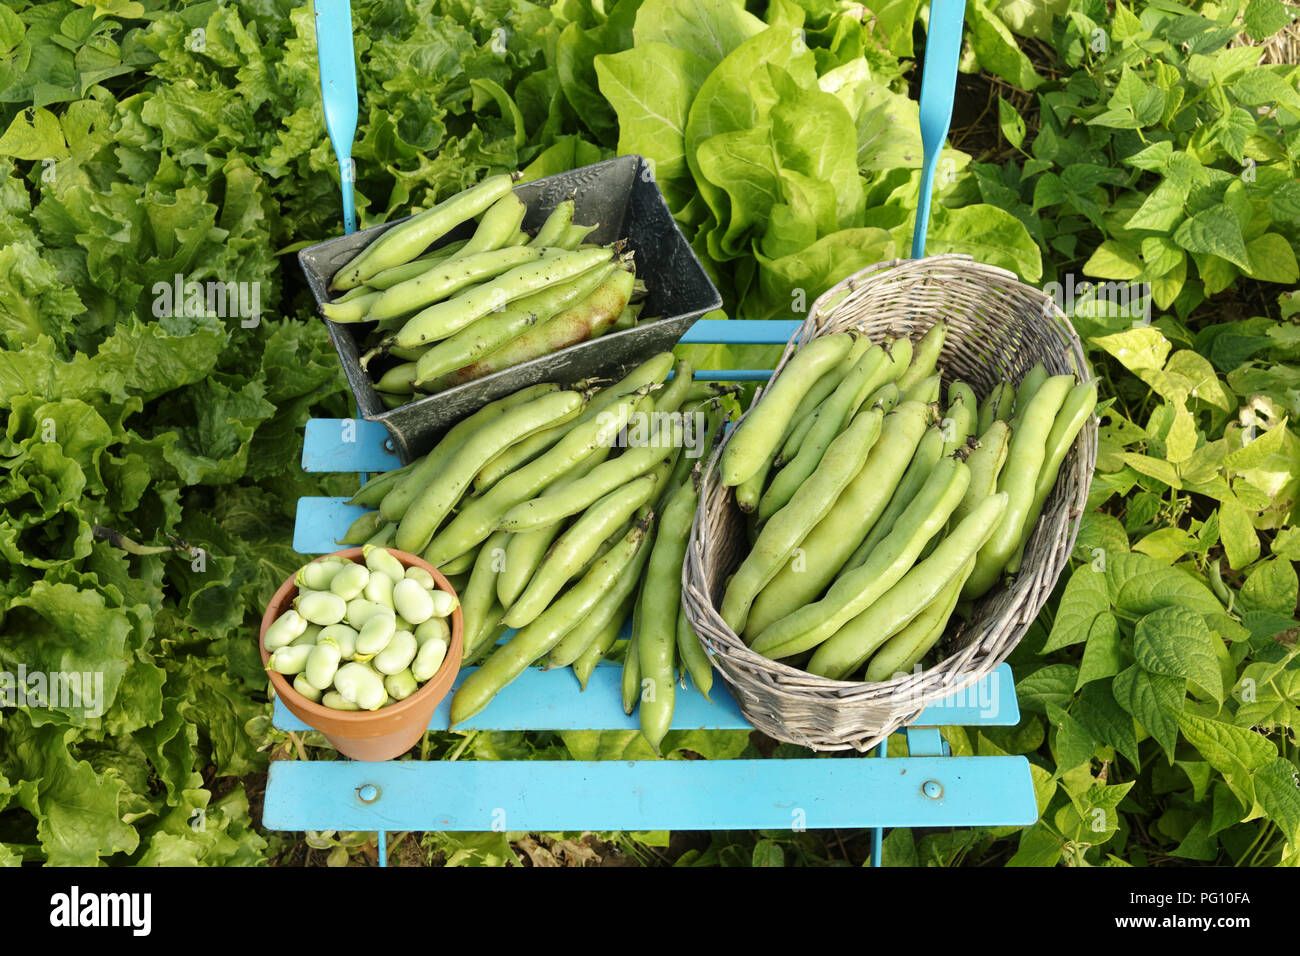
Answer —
369 734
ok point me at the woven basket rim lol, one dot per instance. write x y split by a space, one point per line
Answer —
902 698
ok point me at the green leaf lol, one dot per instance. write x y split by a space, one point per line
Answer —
1114 260
1263 18
1271 259
1273 586
767 853
1039 846
1096 709
1084 599
1011 123
1052 685
651 88
1228 749
1175 642
1102 655
1237 532
997 49
37 138
989 235
1215 231
1154 701
1072 745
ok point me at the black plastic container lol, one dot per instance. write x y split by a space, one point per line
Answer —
622 196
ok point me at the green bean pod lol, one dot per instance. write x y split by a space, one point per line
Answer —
656 636
479 594
804 413
575 546
383 537
690 652
374 490
557 223
574 235
446 279
866 376
482 338
427 468
925 356
453 566
398 380
497 227
613 606
1028 387
409 270
887 397
760 431
827 547
905 648
928 453
428 510
404 241
997 405
355 309
1025 458
586 320
537 639
985 463
850 647
584 447
843 459
605 637
926 390
810 625
445 318
361 530
960 418
631 675
1074 414
561 501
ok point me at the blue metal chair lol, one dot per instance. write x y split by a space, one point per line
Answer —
927 788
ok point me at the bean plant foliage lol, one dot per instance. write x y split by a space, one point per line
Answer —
148 453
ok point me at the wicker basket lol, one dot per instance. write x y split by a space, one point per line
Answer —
998 328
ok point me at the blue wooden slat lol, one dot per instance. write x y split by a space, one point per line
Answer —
346 444
924 742
320 521
564 795
550 700
740 332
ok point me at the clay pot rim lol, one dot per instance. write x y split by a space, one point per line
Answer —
284 687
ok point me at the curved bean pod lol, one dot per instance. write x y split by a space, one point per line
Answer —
960 417
575 546
1025 457
1073 415
497 227
985 464
445 318
405 241
397 500
928 453
537 639
925 356
843 459
490 333
850 647
428 510
556 224
810 625
759 433
997 405
904 650
586 320
865 377
827 547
